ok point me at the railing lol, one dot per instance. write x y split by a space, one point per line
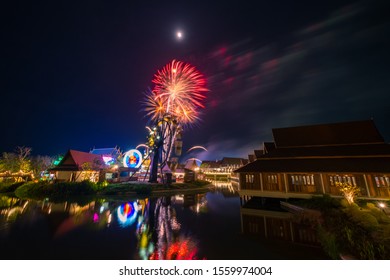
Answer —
291 208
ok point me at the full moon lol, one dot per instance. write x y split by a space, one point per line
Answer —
179 35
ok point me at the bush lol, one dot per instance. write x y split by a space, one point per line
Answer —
10 187
370 205
126 188
328 242
381 217
363 218
323 203
42 190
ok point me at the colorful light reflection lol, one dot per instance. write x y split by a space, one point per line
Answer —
127 213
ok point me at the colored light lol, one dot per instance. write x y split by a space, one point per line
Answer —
132 159
127 213
58 160
108 160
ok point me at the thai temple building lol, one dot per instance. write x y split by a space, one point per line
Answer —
311 160
77 166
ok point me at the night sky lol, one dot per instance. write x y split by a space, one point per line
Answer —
73 73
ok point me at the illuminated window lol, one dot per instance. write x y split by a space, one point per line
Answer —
302 179
249 178
345 179
272 179
382 181
377 182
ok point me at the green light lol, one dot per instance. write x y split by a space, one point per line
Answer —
58 160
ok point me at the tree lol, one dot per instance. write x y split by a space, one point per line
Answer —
9 163
23 154
41 163
349 191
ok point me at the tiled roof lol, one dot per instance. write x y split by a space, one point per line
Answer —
210 164
268 147
337 165
357 132
105 151
372 150
191 164
232 161
74 160
258 153
337 147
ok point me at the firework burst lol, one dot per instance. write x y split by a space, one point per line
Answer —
178 91
173 104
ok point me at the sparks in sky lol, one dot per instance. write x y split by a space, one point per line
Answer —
178 91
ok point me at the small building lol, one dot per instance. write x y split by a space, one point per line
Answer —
114 171
189 175
311 160
77 166
222 169
229 164
110 155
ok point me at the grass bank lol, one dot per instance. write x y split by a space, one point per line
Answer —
64 190
150 188
360 230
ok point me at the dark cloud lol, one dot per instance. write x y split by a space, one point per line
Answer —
330 71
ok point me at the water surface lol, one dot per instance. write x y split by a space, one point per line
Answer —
211 225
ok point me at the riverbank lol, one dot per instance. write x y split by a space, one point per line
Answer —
64 190
359 230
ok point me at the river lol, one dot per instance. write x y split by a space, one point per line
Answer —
216 225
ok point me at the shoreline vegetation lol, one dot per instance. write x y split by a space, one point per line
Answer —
345 230
66 190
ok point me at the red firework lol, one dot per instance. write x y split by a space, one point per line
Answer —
178 91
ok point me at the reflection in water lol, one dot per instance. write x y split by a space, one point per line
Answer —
10 209
227 187
276 224
171 244
127 213
144 236
159 237
190 226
